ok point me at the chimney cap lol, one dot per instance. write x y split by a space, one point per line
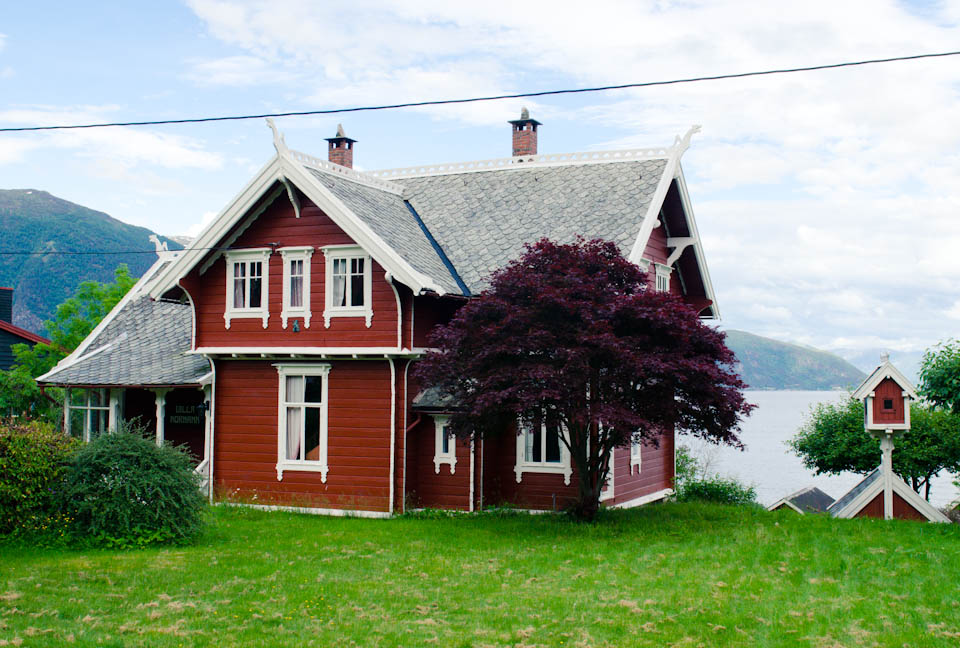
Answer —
524 119
340 136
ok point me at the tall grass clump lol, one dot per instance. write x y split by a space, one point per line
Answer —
122 490
33 461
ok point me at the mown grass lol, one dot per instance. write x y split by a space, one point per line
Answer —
676 574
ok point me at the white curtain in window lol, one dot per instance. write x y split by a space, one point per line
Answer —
294 415
296 284
239 273
339 281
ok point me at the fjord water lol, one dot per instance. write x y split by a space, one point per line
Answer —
770 466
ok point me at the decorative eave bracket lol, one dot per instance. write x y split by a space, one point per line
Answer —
679 244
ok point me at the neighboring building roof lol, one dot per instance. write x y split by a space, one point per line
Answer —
22 333
872 485
434 399
806 500
482 219
146 343
852 494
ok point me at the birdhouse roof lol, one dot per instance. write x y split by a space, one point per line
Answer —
881 373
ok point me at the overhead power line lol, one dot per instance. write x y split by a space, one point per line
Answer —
519 95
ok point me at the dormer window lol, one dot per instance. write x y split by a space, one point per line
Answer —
348 283
296 284
247 285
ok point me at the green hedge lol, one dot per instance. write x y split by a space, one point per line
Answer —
121 490
33 461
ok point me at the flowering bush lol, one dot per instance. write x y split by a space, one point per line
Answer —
33 460
123 491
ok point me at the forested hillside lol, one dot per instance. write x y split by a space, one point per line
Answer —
38 222
771 364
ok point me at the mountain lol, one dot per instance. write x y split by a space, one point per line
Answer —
38 222
770 364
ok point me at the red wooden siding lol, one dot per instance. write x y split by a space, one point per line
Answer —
428 312
358 440
902 510
874 509
278 224
656 471
433 489
888 390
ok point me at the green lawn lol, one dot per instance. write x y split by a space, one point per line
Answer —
676 574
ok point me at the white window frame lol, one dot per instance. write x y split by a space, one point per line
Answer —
347 252
440 457
563 467
636 455
106 407
262 312
663 277
288 254
302 465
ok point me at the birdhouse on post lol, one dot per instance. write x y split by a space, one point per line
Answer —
886 396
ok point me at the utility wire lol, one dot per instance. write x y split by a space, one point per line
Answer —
521 95
98 252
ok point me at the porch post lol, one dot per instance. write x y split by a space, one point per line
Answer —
161 395
886 448
113 422
66 411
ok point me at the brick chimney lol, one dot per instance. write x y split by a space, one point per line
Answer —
340 148
6 305
524 134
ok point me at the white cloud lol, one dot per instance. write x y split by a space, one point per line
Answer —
195 229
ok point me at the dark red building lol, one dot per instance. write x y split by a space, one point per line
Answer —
279 344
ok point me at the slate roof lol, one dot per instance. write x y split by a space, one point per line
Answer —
482 219
387 215
845 501
145 344
809 500
434 399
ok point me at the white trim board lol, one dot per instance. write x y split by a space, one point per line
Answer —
645 499
310 510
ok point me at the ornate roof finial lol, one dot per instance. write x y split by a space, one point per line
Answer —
340 132
884 357
278 142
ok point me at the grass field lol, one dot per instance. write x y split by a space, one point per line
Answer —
675 574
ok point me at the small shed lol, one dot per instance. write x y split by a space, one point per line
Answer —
868 498
805 500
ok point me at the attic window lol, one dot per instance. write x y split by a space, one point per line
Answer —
296 284
888 403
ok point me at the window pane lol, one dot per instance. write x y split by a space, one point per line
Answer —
98 423
96 399
314 389
293 432
445 440
296 292
553 438
294 389
339 281
77 417
536 449
239 285
356 290
255 295
312 434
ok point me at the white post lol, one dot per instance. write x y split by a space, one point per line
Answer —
161 412
66 411
113 422
473 455
886 448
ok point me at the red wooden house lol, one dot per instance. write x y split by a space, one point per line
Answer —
279 345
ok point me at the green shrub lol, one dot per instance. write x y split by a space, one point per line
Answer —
33 460
692 483
123 491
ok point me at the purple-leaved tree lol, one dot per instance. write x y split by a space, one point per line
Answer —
572 334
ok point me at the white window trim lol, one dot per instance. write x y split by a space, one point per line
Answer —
440 457
284 464
289 254
263 312
331 252
636 456
107 407
663 278
563 467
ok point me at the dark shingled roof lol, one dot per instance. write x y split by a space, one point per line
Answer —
433 399
145 344
810 500
844 501
482 219
388 216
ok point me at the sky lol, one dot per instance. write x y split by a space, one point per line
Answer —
827 201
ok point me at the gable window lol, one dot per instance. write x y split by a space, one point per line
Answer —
540 448
663 278
636 455
347 283
302 420
296 284
445 444
247 285
88 413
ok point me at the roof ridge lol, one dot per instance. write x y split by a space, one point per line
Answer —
360 177
526 162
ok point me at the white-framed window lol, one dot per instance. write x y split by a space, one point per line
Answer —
296 284
302 419
445 444
540 448
636 456
663 278
248 281
347 283
88 413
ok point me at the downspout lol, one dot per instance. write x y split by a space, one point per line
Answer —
393 427
481 474
472 470
211 414
389 278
